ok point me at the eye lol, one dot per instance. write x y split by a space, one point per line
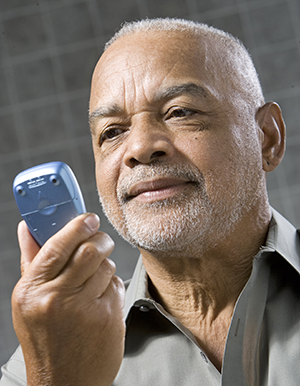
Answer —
179 112
110 133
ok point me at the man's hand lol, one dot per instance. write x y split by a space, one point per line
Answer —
68 307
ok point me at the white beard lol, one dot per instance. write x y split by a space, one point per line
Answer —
194 219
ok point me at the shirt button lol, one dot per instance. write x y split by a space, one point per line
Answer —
144 308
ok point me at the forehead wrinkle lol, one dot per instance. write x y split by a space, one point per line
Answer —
165 94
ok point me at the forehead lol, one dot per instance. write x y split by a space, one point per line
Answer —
143 63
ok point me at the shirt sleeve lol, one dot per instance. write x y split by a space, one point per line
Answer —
14 371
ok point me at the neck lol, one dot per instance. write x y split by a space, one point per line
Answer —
201 291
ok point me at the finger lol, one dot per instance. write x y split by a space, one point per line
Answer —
57 251
115 296
119 287
111 301
97 284
87 259
29 247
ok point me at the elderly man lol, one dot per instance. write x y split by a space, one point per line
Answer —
182 140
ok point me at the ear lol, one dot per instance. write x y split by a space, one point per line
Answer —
272 129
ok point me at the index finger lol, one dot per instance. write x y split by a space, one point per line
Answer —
56 252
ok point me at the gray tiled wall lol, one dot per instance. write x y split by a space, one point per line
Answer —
47 52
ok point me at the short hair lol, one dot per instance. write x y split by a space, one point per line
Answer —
236 63
167 24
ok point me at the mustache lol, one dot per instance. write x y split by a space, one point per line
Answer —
157 170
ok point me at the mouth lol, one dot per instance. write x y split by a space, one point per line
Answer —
156 190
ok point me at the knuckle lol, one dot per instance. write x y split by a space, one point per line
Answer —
109 266
113 314
97 247
118 285
51 252
51 304
89 250
118 282
47 304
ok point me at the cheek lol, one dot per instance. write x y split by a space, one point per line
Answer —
204 151
106 177
217 158
105 183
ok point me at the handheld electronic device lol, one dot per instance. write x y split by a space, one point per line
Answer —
48 197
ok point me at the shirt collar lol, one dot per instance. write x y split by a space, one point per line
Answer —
137 288
282 238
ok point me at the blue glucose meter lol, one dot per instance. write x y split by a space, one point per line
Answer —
48 197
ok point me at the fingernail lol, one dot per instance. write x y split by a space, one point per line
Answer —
93 222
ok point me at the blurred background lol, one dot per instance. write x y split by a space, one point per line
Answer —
48 49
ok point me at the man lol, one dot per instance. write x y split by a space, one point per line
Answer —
182 140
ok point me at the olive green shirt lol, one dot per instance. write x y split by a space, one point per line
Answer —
263 342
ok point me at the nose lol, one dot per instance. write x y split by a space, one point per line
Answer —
147 142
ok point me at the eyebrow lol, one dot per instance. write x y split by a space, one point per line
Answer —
103 112
185 88
166 94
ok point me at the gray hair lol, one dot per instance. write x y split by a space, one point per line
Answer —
236 60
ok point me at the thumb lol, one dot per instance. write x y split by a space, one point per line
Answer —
29 247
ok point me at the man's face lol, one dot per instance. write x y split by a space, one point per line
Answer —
178 160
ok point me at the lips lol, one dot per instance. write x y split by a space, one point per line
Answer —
158 181
162 188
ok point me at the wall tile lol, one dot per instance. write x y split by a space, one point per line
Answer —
9 138
229 23
271 24
276 202
3 290
292 163
71 23
294 200
209 5
168 8
5 324
8 229
290 110
112 14
34 79
9 4
272 181
85 152
78 66
2 44
79 113
280 70
8 339
44 126
25 34
53 153
8 171
11 268
4 98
